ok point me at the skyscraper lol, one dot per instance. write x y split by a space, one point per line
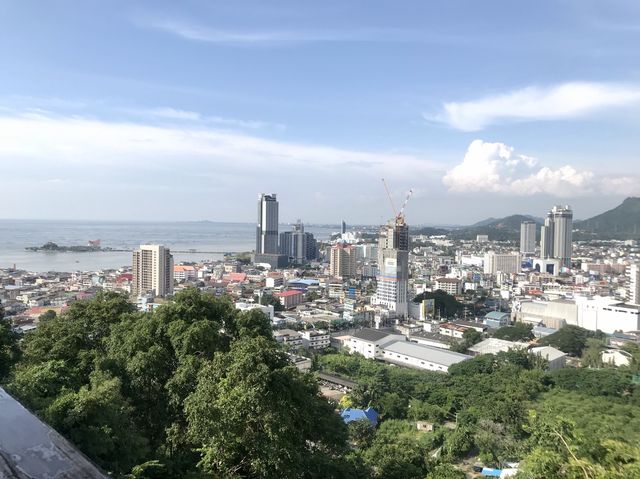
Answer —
298 244
343 228
393 267
528 237
557 235
633 295
267 227
152 271
343 261
562 234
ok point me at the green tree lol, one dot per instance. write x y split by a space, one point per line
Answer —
446 471
268 299
9 351
361 433
518 332
98 419
255 415
444 303
253 323
591 357
570 339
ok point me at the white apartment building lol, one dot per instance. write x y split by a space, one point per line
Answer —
450 286
510 263
316 339
152 271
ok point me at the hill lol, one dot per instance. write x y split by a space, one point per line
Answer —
621 222
498 229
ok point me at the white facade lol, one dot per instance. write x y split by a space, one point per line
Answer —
369 342
152 271
316 339
607 314
510 263
268 310
420 356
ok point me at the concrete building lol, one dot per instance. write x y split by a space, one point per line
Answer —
298 245
482 238
495 346
510 263
528 237
288 337
266 309
290 299
419 356
343 261
393 268
450 286
267 227
633 295
152 271
184 272
369 342
316 339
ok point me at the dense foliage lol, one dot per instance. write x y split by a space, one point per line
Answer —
501 408
570 339
446 305
194 389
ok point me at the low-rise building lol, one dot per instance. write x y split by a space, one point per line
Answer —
556 358
369 342
316 339
422 357
450 286
290 299
288 337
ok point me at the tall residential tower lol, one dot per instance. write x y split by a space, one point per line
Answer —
557 235
152 271
393 267
528 237
267 227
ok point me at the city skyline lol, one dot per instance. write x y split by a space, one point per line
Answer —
318 102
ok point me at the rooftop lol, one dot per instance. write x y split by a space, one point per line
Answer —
371 335
427 353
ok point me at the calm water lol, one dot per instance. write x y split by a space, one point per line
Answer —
15 235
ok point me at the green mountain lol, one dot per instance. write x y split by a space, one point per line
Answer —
498 229
622 222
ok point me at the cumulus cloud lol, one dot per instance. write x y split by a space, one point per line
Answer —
497 168
568 100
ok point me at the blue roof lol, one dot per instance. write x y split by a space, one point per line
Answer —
352 414
488 472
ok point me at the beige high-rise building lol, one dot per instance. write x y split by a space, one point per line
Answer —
152 271
343 261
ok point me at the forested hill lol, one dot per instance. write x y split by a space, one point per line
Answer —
621 222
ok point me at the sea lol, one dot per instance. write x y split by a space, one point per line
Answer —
209 240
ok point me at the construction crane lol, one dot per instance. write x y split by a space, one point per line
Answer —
398 215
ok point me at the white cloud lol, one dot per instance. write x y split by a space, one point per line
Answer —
74 142
185 115
191 31
568 100
496 168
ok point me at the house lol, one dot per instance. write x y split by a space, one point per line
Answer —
495 346
288 337
424 426
352 414
496 319
556 358
616 357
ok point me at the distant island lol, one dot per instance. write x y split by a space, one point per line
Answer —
53 247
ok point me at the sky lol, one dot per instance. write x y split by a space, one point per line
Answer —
163 110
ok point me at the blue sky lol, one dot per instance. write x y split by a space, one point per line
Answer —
187 110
